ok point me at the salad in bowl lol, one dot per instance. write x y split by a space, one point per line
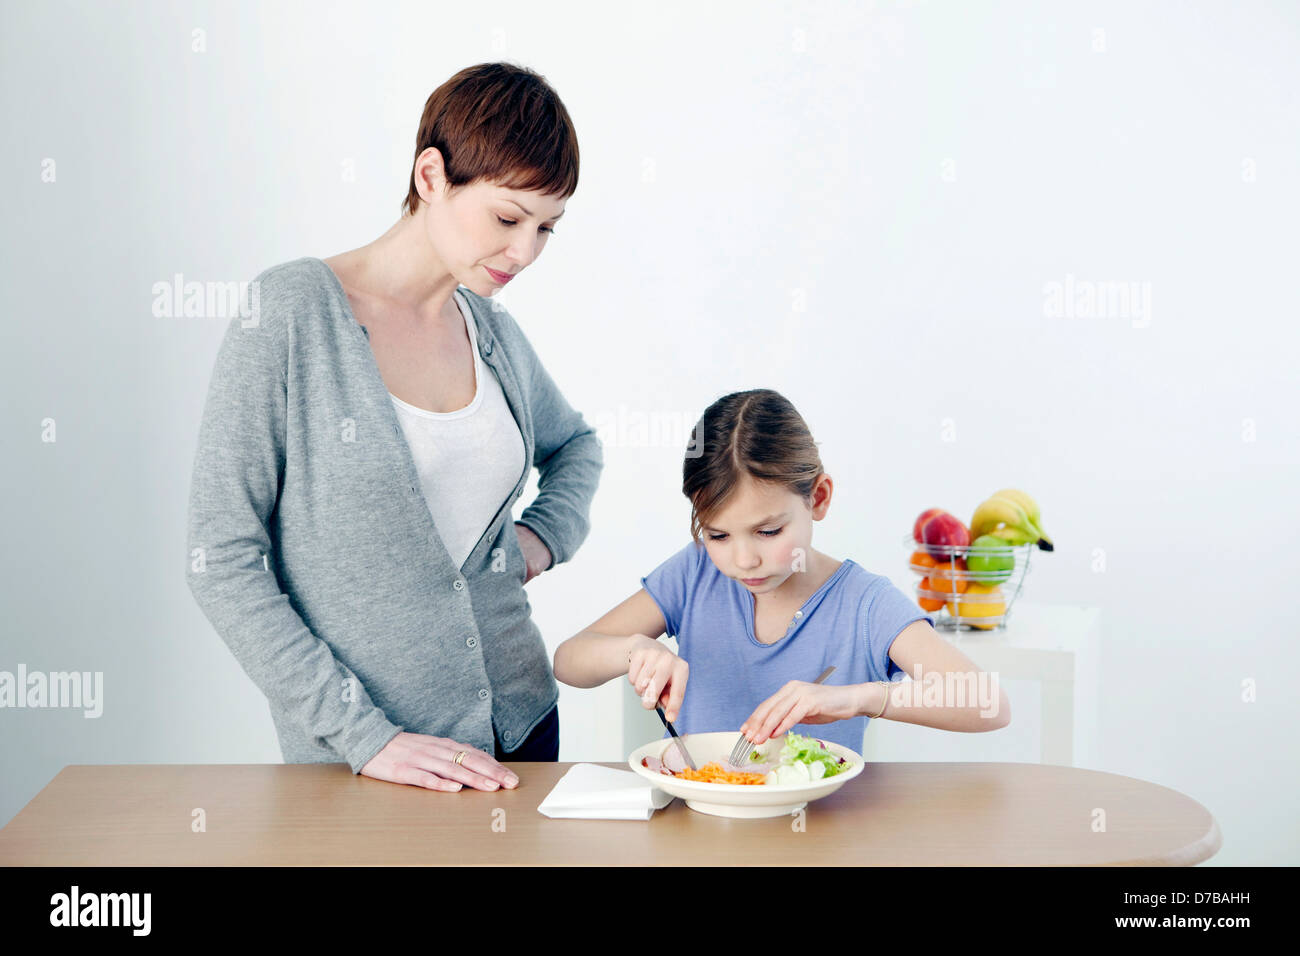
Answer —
778 777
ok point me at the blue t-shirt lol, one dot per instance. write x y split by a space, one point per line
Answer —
850 621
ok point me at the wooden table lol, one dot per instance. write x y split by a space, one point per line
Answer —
892 814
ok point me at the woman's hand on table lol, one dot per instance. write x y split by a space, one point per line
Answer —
425 761
802 702
536 555
657 674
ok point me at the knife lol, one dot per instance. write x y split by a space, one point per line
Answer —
681 746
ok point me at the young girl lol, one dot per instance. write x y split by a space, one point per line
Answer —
758 614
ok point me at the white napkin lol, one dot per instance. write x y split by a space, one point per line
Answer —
589 792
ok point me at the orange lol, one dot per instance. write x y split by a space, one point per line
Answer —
927 603
950 577
922 559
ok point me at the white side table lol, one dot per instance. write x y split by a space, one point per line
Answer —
1055 646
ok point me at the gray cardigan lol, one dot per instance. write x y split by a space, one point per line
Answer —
313 553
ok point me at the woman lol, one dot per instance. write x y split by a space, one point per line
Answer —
364 437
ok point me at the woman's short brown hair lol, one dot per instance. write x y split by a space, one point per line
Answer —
502 123
756 433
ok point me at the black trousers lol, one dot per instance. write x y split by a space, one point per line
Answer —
542 744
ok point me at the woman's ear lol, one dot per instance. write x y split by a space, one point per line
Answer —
430 176
821 496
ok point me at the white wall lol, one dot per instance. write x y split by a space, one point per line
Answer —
857 204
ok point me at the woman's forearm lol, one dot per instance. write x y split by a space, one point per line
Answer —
962 702
589 659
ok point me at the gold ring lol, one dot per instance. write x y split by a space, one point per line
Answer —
459 759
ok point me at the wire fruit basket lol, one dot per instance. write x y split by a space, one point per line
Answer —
960 597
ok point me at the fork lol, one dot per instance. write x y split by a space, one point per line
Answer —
742 748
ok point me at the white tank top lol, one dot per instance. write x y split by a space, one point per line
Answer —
469 459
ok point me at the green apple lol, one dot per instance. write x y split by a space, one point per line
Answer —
990 560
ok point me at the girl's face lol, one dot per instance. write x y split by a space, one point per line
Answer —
482 228
762 534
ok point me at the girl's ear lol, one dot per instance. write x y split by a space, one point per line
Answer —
821 496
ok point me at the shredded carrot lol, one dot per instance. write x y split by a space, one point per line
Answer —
713 773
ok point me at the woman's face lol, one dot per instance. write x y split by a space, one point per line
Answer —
482 228
763 533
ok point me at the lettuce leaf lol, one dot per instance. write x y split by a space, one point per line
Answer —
799 749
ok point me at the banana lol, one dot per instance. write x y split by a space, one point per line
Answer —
1029 505
1005 518
995 512
1032 512
1015 535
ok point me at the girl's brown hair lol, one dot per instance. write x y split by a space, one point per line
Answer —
756 433
502 123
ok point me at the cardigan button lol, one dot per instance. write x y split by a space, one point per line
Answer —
458 584
507 736
483 694
487 347
471 642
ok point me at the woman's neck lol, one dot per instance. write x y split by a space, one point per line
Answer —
400 268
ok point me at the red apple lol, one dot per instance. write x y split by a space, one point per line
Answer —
920 522
944 529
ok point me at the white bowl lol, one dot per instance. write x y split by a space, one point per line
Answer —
738 799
